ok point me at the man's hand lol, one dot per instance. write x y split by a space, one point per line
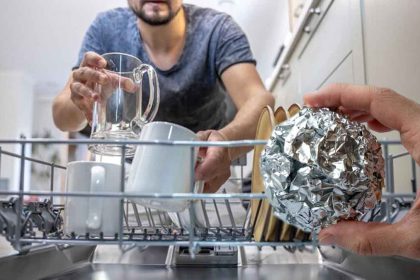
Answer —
85 79
214 170
72 108
92 83
379 239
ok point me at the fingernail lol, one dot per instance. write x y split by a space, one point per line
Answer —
326 239
101 63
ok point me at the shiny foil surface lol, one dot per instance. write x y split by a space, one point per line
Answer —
319 167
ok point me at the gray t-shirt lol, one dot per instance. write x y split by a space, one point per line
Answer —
192 93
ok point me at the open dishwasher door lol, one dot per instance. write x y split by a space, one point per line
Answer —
42 262
109 262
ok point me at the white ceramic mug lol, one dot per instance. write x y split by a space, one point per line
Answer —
183 219
163 168
92 214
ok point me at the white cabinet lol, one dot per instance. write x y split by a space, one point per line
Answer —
354 41
392 59
288 84
329 48
392 40
329 45
343 73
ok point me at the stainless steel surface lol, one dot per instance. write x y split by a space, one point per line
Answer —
109 262
213 256
288 271
43 262
371 267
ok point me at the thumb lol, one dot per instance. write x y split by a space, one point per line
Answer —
363 238
204 135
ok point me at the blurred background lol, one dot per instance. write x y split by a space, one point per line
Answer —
40 44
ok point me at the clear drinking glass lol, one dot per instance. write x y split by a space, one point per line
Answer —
118 114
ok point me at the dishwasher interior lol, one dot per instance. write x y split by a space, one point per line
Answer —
161 245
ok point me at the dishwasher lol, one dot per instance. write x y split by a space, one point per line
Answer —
152 244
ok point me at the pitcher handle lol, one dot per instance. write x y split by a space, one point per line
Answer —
95 207
154 94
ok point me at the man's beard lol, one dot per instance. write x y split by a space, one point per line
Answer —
155 20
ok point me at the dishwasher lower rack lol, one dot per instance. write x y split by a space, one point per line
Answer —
42 223
28 225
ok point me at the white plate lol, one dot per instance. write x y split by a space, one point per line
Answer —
238 211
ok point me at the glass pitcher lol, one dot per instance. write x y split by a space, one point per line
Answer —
118 115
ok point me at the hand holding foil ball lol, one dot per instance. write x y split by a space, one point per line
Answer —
383 110
319 168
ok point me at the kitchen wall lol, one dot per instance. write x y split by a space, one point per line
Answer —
42 37
15 116
39 45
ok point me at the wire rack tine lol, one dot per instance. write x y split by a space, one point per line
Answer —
206 217
160 219
232 220
217 213
247 217
18 231
179 220
125 213
136 214
52 168
151 217
122 189
148 216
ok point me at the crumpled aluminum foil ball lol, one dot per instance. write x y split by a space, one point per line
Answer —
319 167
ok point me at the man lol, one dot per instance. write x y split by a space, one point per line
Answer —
383 110
199 55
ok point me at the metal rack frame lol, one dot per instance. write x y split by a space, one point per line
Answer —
30 231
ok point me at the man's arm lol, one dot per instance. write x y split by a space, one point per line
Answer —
247 91
249 95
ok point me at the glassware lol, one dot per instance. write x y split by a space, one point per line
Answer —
118 114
